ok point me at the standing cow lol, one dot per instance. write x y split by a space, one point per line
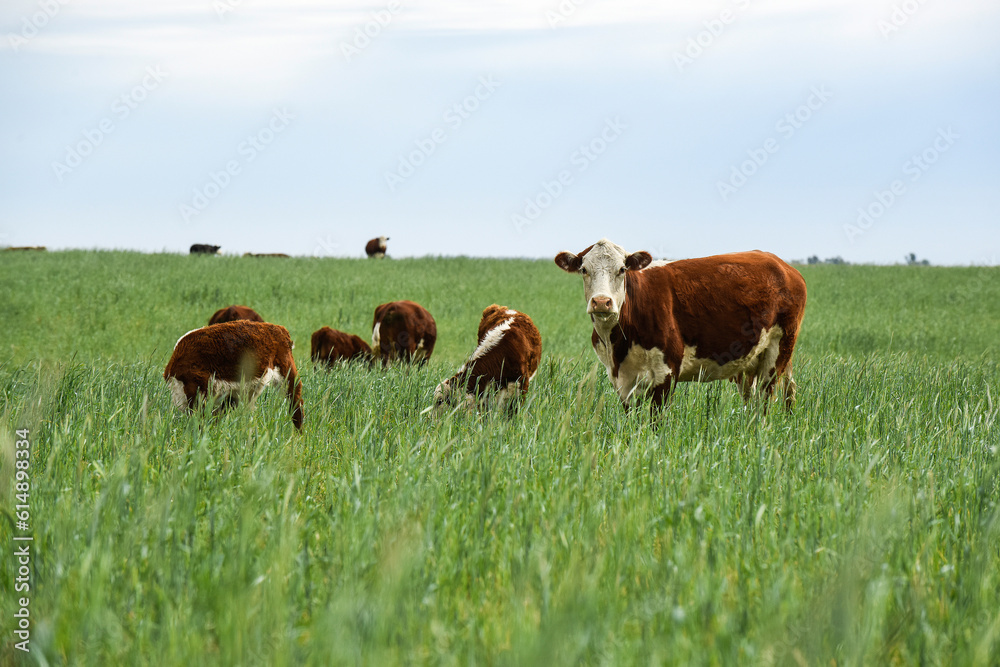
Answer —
330 346
233 313
733 316
504 361
227 361
204 249
376 247
403 330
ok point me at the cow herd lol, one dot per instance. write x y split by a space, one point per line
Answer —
375 249
237 355
727 317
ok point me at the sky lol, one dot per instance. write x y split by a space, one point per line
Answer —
864 129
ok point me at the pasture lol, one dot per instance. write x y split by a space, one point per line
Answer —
862 528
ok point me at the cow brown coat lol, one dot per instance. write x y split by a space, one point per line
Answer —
330 346
224 360
233 313
403 330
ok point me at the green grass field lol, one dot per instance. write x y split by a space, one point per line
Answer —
860 529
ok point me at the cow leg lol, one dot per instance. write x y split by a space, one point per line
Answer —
711 401
783 364
294 395
660 394
192 388
790 388
744 383
228 402
508 397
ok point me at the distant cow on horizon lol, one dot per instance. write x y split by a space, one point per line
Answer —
403 330
734 316
264 254
376 248
204 249
330 346
233 313
504 362
233 360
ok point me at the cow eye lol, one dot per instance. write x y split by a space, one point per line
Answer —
621 271
583 270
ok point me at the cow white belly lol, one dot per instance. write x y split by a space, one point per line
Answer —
253 388
759 362
222 389
641 370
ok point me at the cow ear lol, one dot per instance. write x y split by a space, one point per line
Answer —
638 260
567 261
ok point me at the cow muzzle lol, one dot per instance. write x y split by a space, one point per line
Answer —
601 306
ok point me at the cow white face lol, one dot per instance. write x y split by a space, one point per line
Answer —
442 394
446 397
603 267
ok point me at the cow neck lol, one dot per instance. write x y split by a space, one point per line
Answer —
606 333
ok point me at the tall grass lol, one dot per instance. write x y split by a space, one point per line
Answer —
861 528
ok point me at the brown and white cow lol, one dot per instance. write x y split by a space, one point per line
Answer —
376 247
223 362
330 346
733 316
233 313
403 330
504 361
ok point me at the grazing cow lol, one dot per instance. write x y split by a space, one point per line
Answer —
376 247
204 249
233 313
225 361
330 346
403 330
732 316
505 360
